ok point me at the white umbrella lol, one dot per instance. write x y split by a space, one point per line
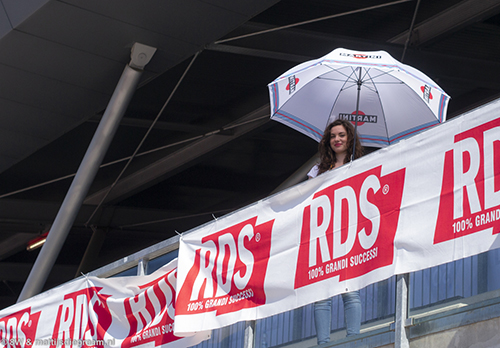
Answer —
389 100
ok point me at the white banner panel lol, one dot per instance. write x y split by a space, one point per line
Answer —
93 312
425 201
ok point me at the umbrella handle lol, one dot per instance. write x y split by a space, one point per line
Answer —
360 82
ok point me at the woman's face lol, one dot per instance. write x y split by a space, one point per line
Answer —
338 139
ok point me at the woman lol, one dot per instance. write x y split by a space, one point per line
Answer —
335 150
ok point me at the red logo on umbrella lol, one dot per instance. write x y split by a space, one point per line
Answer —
360 113
426 90
360 56
362 118
292 82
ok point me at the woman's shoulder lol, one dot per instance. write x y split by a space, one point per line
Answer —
314 171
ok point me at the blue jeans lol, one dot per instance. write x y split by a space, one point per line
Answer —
323 316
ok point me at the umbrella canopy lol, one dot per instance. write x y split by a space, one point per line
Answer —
387 100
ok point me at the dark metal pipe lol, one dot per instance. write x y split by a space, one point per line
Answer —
81 183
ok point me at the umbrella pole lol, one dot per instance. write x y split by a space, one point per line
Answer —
356 116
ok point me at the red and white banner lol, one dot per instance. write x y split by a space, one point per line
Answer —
425 201
92 312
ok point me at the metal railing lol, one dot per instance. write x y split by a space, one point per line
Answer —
426 289
459 279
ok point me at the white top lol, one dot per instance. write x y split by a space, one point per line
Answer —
313 172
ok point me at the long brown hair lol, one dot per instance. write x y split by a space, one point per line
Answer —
327 155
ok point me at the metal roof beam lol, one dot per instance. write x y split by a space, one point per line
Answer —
445 64
32 217
160 169
169 126
18 272
252 52
15 243
140 56
456 17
